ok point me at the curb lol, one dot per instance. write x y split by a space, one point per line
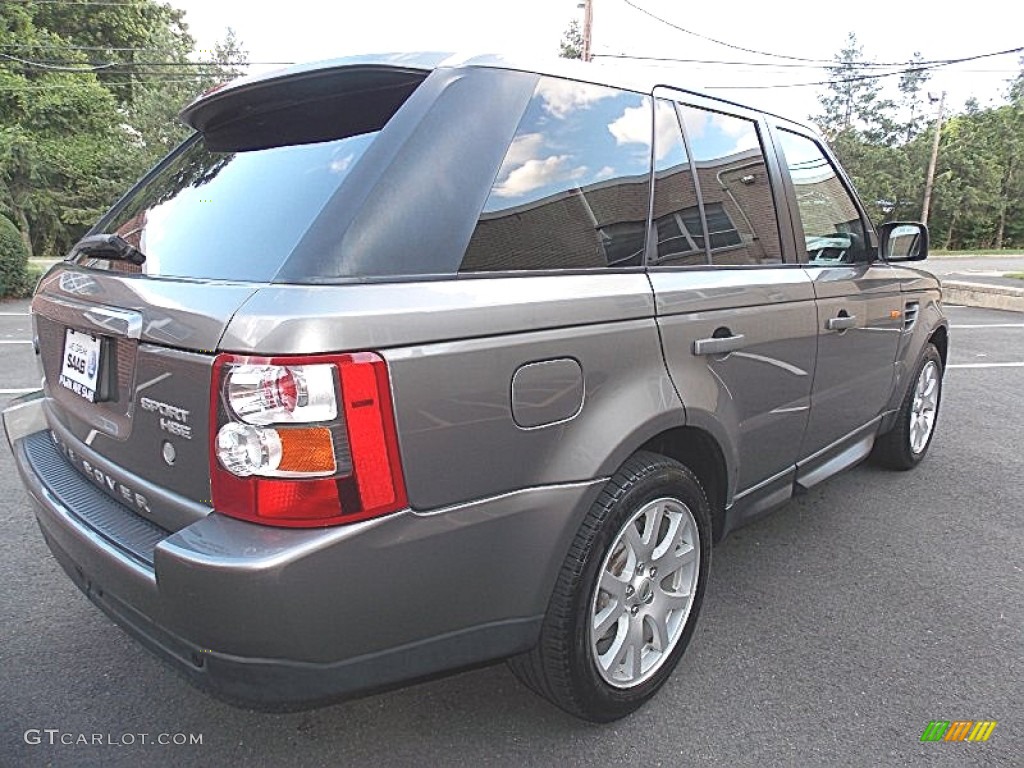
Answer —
983 295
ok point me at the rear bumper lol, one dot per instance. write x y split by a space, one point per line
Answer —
284 618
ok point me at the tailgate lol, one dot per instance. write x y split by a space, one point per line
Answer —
127 367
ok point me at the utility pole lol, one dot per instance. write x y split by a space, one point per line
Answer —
588 23
930 180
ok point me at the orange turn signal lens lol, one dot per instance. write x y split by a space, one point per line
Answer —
308 450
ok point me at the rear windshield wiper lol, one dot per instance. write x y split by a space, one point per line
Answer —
108 246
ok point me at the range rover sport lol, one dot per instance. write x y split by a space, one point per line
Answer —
405 364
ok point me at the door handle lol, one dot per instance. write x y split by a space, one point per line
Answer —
841 323
719 345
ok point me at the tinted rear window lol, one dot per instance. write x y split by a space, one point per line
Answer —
232 215
237 198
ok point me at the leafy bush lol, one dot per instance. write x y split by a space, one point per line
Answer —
14 277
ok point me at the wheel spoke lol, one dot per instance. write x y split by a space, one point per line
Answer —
635 645
633 540
652 524
673 601
659 631
613 585
608 617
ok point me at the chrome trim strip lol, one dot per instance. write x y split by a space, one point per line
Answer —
107 320
773 479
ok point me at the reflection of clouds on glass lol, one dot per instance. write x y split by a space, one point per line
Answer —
534 174
745 143
714 135
526 147
562 97
741 131
341 164
634 127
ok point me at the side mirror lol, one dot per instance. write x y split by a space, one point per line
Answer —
903 241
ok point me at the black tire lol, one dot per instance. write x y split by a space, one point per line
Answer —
563 667
895 449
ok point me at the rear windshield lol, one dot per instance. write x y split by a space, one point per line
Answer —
232 215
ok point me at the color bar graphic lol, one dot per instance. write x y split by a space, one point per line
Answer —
958 730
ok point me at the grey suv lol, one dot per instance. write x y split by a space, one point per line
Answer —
405 364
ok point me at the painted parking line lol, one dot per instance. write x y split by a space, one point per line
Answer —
988 325
14 314
12 341
985 365
22 391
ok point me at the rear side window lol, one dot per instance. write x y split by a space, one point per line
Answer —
742 227
573 189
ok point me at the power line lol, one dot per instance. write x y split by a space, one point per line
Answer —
906 68
713 40
19 88
63 67
831 63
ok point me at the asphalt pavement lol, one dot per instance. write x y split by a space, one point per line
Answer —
834 630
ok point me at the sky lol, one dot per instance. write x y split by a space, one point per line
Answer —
889 31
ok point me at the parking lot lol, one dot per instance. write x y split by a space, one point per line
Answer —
833 631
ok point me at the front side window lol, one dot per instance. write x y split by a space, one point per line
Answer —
573 189
735 187
833 229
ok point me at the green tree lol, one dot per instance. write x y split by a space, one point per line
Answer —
912 103
59 135
572 42
89 95
13 260
853 100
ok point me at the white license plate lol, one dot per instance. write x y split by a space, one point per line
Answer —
80 367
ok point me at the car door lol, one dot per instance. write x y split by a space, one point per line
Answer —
860 308
735 310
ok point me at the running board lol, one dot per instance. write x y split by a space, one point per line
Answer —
810 472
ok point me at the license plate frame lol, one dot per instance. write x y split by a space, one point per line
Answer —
81 363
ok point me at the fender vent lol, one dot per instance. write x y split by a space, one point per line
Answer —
910 315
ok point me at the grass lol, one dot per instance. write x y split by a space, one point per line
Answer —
1017 275
977 252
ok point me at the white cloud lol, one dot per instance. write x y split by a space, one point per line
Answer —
634 127
605 173
341 164
563 97
525 147
535 174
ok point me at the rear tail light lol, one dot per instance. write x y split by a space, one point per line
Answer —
304 441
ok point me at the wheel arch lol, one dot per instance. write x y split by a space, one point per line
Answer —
697 449
940 338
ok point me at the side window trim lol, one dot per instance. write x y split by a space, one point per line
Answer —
696 183
795 229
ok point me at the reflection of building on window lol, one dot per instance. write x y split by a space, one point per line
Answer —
623 243
681 236
738 206
597 226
